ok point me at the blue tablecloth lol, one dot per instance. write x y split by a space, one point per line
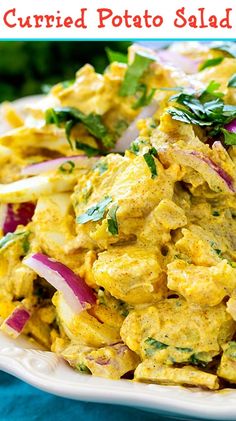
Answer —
21 402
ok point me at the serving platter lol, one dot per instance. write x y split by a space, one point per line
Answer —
48 372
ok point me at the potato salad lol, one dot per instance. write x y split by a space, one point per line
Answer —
118 217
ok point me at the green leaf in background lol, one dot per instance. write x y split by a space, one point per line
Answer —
134 73
26 65
210 63
116 56
232 81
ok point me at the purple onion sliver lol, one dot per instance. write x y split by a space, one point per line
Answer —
50 165
231 127
82 291
21 216
222 173
18 319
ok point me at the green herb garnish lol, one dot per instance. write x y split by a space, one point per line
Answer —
96 212
82 368
153 346
87 149
116 56
230 138
145 97
231 350
205 108
232 81
210 63
12 237
134 73
150 161
198 360
215 213
92 122
67 167
112 220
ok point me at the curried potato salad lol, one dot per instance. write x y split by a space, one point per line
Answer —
118 217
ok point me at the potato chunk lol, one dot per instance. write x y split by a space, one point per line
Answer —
131 274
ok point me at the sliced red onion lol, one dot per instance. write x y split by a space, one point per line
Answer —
15 323
186 64
53 164
15 215
194 160
132 132
77 293
231 127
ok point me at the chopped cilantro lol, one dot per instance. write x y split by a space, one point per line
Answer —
82 368
216 213
87 149
231 350
230 138
148 157
112 220
67 167
134 73
87 191
11 237
184 349
92 122
116 56
96 212
200 359
232 81
205 108
153 346
210 63
145 97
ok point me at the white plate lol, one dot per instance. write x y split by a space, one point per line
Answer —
50 373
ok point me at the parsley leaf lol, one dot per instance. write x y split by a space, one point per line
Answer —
205 108
148 156
116 56
210 63
134 73
145 98
87 149
230 138
153 346
11 237
92 122
82 368
112 220
96 212
232 81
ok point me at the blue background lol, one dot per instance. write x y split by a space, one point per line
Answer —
21 402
